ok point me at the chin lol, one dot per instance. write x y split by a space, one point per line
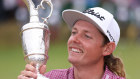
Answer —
73 61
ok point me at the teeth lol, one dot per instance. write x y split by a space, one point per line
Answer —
76 50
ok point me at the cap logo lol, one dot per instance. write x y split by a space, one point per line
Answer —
92 12
111 37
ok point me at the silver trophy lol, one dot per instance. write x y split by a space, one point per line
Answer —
36 34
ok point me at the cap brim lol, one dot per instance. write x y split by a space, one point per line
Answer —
72 16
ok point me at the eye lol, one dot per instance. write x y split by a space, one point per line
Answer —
88 36
73 32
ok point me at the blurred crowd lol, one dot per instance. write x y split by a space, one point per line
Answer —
125 11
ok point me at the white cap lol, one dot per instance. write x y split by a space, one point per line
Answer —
104 21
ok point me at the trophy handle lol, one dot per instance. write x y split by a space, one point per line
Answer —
51 6
34 10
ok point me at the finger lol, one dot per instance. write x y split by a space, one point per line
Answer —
29 67
32 63
42 69
29 74
22 77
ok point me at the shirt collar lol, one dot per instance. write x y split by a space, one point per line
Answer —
107 74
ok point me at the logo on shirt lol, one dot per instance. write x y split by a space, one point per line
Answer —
92 12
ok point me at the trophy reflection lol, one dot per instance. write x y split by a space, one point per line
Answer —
36 35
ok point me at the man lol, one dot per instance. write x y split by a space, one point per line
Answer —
94 37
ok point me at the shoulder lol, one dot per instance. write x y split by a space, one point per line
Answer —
110 75
60 73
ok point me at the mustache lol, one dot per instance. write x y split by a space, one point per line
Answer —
75 45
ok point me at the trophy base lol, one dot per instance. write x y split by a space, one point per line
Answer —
36 58
39 76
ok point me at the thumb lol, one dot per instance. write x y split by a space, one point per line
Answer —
42 69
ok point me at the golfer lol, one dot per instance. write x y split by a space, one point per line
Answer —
94 36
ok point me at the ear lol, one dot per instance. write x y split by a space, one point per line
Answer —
109 48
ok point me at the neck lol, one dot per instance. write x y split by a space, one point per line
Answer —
89 72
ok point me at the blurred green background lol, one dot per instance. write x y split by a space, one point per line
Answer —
11 52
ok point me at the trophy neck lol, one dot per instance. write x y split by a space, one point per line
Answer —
34 18
33 12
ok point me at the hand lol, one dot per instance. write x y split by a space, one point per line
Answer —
30 72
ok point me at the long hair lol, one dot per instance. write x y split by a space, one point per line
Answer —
114 64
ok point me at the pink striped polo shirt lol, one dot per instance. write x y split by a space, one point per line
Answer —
69 74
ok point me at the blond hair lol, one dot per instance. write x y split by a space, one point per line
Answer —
114 64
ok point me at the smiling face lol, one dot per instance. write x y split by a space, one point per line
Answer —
85 45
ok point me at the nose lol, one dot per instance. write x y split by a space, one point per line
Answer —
76 38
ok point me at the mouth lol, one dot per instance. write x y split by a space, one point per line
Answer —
75 50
